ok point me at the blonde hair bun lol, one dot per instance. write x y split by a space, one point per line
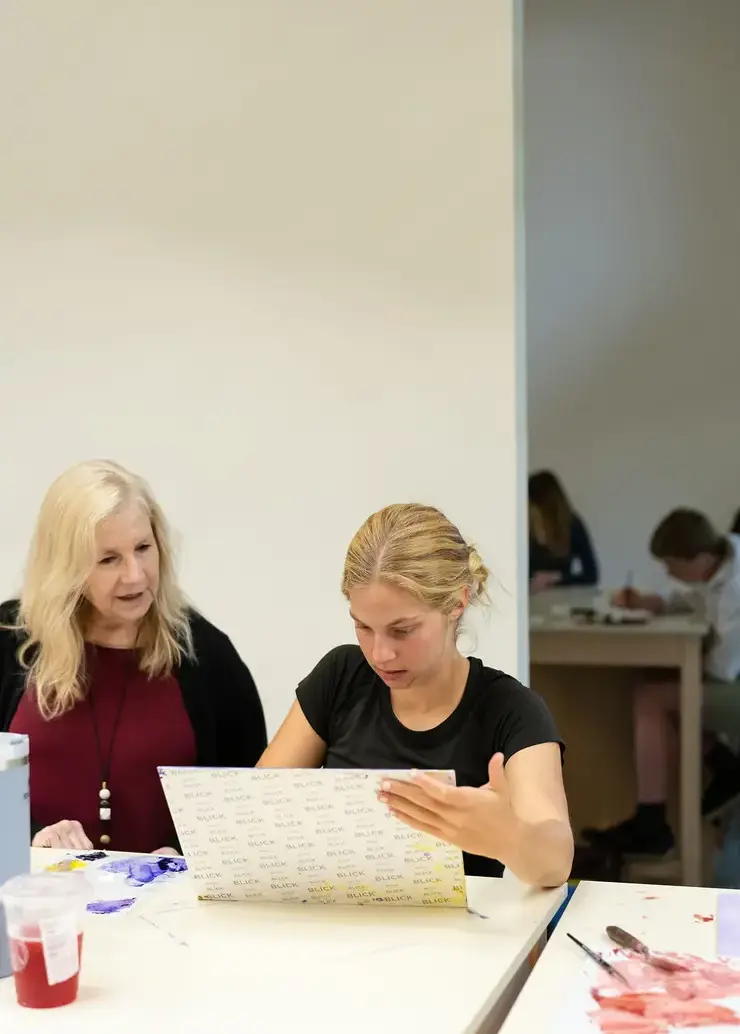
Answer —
479 575
416 548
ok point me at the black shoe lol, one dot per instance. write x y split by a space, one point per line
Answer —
597 863
723 789
633 836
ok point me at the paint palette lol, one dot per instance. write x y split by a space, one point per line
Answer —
705 996
117 883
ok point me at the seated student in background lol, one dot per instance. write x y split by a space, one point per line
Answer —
735 526
560 549
407 698
693 552
110 672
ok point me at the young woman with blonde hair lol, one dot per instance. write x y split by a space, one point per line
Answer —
407 698
110 672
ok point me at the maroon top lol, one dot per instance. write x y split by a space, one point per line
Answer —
153 729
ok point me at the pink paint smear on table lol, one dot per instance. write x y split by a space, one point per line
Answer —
657 1002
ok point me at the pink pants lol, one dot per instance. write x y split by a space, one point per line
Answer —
656 711
656 708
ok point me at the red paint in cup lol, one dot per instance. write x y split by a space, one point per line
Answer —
44 914
32 985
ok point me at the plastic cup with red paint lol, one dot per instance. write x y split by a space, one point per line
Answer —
44 912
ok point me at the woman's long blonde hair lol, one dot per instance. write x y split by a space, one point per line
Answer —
416 548
53 606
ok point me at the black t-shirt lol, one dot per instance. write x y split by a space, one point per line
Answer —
349 707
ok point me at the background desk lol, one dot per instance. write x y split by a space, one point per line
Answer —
594 713
663 917
177 965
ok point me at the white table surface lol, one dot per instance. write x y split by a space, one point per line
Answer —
176 964
662 917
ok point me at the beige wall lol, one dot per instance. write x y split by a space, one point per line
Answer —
632 144
264 254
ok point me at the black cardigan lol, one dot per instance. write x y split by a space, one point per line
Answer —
217 689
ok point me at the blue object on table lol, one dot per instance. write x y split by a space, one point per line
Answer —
15 823
558 915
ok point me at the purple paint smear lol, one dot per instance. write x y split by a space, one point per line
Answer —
107 908
140 871
728 925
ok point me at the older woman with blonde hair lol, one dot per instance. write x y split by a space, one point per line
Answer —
110 672
406 698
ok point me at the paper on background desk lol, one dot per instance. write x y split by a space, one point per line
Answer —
305 836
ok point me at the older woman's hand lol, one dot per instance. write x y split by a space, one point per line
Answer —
67 834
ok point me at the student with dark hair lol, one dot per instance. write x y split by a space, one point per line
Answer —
708 563
735 526
560 548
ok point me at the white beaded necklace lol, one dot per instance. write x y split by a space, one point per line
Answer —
104 794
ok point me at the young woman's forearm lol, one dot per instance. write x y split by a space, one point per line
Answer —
540 853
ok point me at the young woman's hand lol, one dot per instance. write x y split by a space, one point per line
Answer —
479 820
67 834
